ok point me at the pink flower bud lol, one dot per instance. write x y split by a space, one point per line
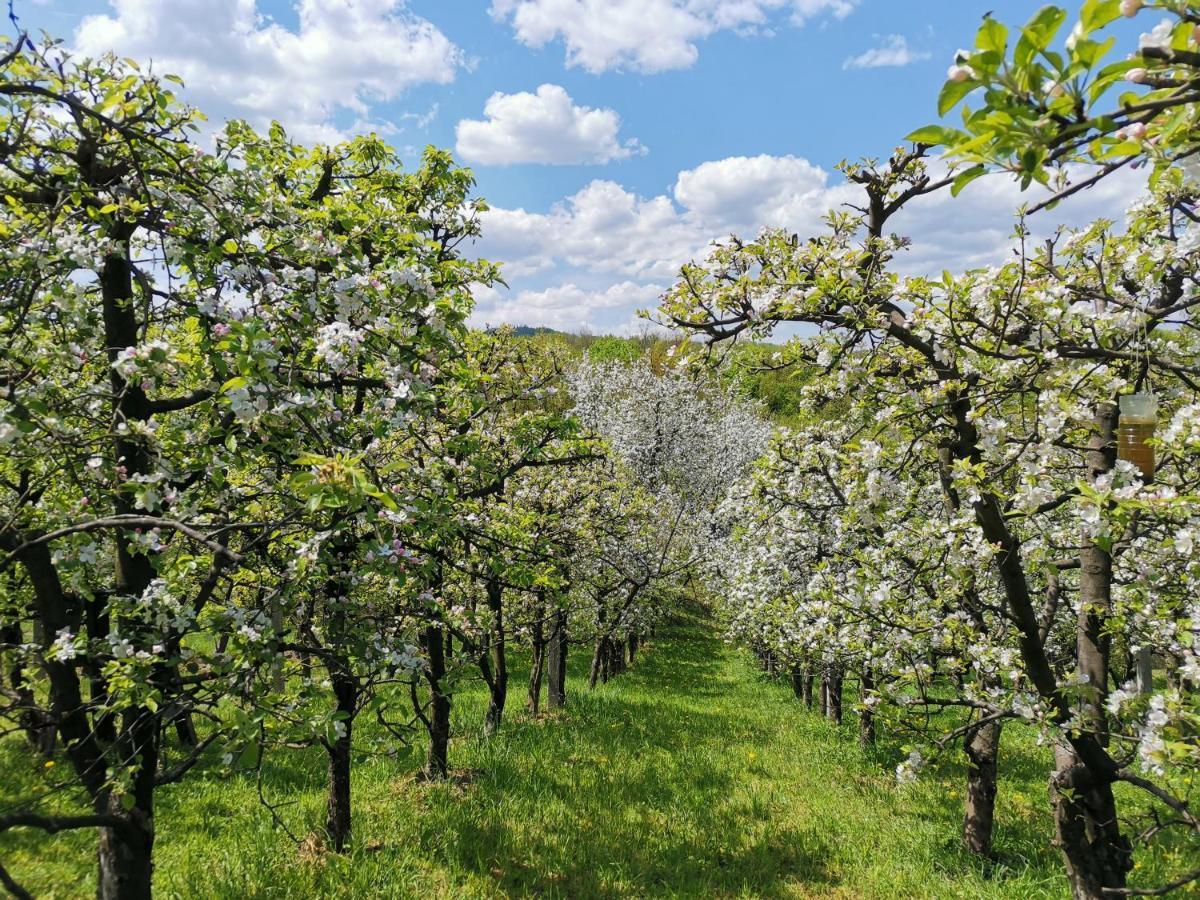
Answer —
1135 131
960 73
1137 76
1130 8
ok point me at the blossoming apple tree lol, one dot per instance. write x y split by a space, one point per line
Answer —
997 392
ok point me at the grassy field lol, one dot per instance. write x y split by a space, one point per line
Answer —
690 776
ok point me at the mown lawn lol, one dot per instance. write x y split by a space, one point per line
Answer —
690 776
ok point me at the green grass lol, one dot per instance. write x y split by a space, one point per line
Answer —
689 776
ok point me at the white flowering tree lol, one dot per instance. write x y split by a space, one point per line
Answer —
684 443
121 536
997 393
211 370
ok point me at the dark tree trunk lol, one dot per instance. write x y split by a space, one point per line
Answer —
498 682
556 687
797 675
438 720
982 746
126 859
537 666
808 685
633 647
345 692
866 718
126 854
835 694
616 656
1097 856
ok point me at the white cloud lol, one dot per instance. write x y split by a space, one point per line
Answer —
585 260
749 192
344 55
892 51
544 127
645 35
565 306
601 228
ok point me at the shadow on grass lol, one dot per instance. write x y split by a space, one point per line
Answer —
664 822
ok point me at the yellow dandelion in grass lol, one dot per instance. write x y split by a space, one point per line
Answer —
752 756
48 764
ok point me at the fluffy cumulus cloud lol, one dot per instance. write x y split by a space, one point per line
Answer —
343 56
749 192
568 307
542 127
646 35
595 257
892 51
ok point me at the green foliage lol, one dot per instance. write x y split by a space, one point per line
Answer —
614 349
1048 101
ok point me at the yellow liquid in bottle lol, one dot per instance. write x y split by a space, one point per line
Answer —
1132 435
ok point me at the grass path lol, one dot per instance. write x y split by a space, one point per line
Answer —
689 776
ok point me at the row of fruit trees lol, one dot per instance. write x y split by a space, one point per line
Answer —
260 479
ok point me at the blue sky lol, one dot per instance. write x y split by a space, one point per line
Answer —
627 134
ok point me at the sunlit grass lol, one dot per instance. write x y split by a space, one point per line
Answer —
690 776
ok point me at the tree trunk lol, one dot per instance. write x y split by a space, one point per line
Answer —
345 692
498 683
1088 833
982 746
1097 856
866 718
835 694
809 684
126 854
825 691
601 658
616 656
633 646
438 724
537 666
797 682
556 687
126 860
1144 668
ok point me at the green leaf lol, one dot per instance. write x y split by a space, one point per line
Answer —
992 37
934 135
1038 33
952 93
230 246
1098 13
965 178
